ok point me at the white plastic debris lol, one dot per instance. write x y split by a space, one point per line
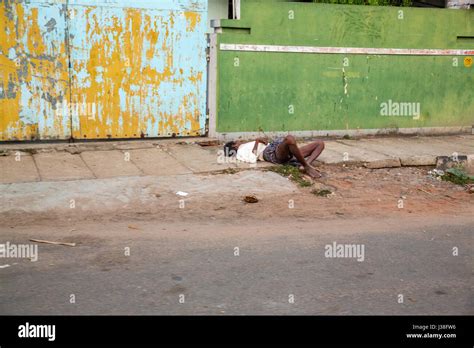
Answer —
4 266
182 194
436 173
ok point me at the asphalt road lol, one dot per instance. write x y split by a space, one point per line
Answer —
280 267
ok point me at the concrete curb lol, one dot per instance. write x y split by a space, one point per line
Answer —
414 161
47 161
384 163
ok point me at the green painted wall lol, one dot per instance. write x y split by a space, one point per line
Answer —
324 94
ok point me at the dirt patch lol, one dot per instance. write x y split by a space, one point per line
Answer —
356 192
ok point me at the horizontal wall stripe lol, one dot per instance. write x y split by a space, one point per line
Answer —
348 50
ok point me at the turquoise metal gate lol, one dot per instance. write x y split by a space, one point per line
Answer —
102 69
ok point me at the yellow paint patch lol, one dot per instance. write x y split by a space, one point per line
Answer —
468 62
35 40
193 18
196 78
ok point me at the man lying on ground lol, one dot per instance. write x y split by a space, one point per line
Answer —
280 151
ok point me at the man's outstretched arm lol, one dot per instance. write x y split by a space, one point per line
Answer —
258 141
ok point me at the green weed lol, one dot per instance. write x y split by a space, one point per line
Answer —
457 176
293 173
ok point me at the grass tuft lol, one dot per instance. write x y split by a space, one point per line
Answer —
457 176
293 173
321 193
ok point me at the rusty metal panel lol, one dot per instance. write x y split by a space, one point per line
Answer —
33 70
138 68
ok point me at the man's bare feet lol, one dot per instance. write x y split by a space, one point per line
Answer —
312 172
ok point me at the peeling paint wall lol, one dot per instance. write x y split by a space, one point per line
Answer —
137 69
33 70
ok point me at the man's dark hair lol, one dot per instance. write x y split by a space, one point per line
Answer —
229 150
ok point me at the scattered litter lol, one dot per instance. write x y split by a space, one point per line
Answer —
133 227
456 175
182 194
470 188
250 199
4 266
50 242
436 173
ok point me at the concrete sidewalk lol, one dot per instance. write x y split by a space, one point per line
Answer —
100 160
